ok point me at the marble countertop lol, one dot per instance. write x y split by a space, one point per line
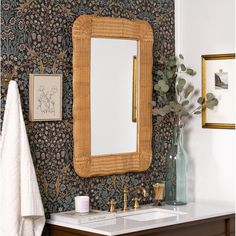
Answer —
119 225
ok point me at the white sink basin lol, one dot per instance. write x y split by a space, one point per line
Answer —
150 214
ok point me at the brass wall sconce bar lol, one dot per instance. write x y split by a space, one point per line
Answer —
134 90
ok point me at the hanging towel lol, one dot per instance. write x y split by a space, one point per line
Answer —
21 208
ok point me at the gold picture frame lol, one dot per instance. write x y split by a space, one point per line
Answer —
218 77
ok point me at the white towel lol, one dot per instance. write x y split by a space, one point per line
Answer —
21 208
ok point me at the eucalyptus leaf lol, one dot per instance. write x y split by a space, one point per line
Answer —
165 71
209 96
182 82
162 86
215 101
181 56
164 77
172 104
172 63
160 73
179 89
212 103
178 107
154 103
200 100
185 103
155 111
166 109
209 105
169 74
196 92
188 90
190 107
180 85
190 71
156 87
161 82
184 113
197 112
175 107
165 88
183 67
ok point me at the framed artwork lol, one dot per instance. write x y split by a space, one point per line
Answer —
45 97
218 77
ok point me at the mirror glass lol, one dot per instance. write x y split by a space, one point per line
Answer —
111 76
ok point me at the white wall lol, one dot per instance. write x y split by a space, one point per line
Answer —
207 27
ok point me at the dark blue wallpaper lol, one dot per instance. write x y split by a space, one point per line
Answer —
36 38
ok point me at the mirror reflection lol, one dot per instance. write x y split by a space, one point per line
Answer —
111 76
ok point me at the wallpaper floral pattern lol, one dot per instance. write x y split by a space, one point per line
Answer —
36 38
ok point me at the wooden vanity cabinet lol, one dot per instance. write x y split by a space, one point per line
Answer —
217 226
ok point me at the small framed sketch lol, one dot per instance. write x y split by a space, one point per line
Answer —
45 97
218 77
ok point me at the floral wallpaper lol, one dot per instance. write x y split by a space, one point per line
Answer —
36 38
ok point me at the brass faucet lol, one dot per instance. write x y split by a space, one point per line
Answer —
126 191
112 204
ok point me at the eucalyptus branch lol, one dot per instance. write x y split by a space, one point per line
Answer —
175 92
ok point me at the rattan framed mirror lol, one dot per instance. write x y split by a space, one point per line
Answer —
87 27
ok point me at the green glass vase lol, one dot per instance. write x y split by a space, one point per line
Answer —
176 165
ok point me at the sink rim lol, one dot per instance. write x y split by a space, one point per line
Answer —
153 215
140 211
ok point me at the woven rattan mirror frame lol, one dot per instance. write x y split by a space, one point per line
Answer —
84 28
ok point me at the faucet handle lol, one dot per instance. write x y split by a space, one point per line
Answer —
112 204
136 202
125 190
